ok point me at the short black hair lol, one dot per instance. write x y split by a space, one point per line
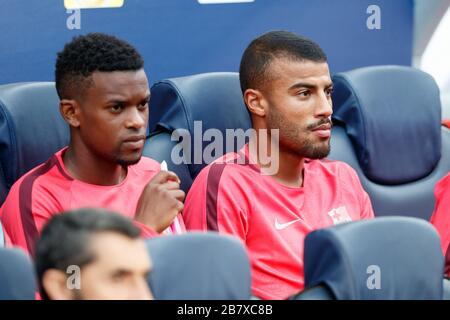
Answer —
65 238
88 53
255 62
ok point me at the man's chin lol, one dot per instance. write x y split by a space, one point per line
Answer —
125 162
317 152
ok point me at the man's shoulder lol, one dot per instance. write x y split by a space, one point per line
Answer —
45 169
230 170
42 178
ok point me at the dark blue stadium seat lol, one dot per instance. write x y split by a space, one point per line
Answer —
388 127
31 129
404 252
446 289
318 292
199 266
213 98
17 277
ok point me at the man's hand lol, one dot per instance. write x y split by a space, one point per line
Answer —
160 202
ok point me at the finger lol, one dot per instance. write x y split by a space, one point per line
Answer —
173 177
177 194
171 185
180 206
164 176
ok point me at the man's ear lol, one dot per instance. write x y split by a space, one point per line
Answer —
70 111
256 103
55 285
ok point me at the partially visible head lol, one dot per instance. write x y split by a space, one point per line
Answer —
104 95
92 254
286 85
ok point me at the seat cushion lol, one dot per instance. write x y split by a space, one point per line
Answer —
392 115
31 129
384 258
197 103
199 266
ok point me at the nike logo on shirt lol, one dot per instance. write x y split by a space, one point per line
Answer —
281 226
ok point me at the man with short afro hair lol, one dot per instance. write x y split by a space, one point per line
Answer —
104 96
86 54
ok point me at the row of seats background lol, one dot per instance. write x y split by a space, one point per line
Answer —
394 141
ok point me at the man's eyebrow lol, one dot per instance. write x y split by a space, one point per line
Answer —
299 85
308 86
119 100
120 272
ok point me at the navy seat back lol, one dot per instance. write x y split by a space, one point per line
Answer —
213 100
17 276
31 129
388 127
199 266
384 258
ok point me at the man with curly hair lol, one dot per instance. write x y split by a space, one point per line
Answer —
104 96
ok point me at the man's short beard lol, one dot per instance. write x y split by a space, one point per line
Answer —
315 152
289 139
125 163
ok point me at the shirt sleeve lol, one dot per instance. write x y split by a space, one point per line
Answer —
215 204
24 216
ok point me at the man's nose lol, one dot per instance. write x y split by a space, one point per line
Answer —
136 119
324 107
142 291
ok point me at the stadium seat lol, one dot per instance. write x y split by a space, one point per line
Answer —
388 258
318 292
199 266
388 127
17 277
215 99
31 129
446 289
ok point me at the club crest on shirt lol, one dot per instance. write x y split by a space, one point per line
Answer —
339 215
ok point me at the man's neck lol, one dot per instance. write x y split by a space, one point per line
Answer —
289 167
84 166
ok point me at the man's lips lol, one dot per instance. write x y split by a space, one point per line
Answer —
323 130
135 142
134 138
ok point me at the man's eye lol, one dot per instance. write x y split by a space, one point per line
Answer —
329 91
304 94
143 105
117 107
117 278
